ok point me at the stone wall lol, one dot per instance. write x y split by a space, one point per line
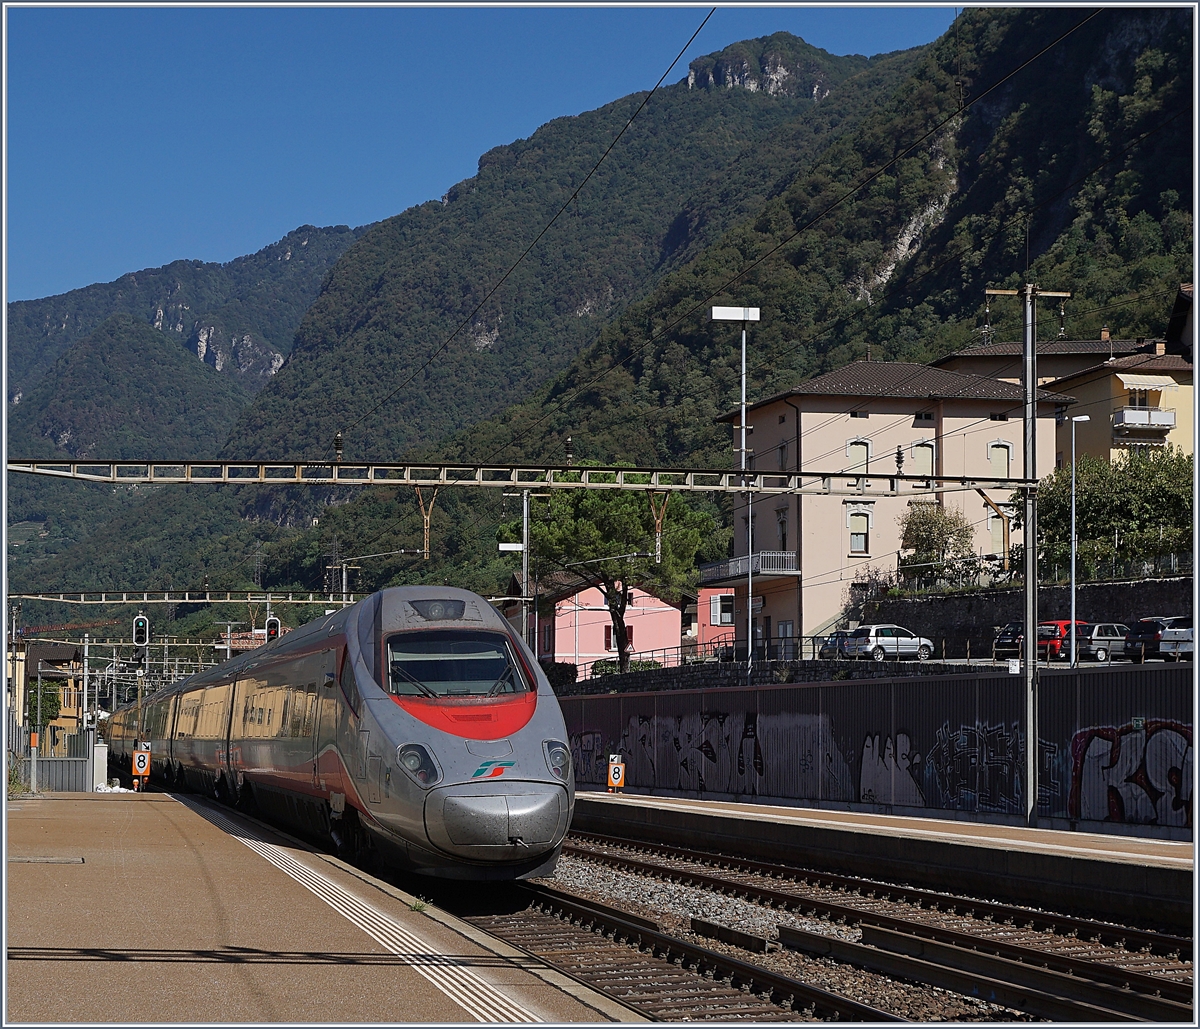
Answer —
975 615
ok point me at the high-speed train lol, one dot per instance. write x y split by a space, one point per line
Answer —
414 727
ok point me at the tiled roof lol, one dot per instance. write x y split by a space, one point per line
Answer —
901 379
1049 348
1134 363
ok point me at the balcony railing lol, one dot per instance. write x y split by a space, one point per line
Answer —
765 562
1135 419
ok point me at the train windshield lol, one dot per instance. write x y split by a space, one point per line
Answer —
453 663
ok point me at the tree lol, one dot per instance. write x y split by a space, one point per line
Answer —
51 703
934 534
1139 505
607 539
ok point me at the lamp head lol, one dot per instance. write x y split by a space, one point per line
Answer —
1081 418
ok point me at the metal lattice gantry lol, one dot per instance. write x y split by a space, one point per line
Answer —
681 480
140 597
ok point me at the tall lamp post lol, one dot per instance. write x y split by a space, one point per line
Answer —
1074 648
745 315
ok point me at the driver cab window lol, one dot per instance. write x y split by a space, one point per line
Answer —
453 663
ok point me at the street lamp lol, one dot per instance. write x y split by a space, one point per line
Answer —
744 315
1078 418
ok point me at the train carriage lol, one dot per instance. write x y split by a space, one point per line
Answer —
414 724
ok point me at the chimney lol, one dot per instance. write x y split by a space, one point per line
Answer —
1160 348
1104 334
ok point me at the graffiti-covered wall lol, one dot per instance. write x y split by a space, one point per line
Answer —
1115 744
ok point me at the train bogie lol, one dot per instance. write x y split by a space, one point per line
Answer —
414 723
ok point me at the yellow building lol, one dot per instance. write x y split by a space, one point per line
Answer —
1143 400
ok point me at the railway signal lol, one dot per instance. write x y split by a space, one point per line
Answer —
272 629
141 631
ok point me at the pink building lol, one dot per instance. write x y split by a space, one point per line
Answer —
714 616
579 629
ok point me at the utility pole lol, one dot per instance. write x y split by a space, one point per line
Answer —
1030 293
525 634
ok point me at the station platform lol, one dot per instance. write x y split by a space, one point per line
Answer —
150 908
1144 881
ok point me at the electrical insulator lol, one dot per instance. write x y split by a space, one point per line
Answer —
272 629
141 631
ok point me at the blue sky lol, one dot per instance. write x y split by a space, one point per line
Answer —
139 136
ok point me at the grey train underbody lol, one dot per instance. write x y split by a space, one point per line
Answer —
414 725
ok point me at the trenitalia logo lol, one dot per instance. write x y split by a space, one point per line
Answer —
491 769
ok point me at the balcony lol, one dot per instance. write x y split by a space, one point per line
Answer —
1142 424
765 562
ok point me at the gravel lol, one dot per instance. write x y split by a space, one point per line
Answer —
673 905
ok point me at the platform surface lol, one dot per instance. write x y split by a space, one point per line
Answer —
1118 849
181 912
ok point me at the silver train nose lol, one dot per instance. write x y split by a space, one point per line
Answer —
497 821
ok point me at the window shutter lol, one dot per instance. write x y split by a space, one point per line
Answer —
714 610
608 637
629 635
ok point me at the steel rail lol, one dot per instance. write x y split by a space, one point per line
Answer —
678 480
745 972
1066 925
188 597
1175 996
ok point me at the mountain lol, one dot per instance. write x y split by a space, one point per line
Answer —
408 341
884 230
126 390
238 317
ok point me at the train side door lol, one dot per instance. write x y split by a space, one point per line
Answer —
327 765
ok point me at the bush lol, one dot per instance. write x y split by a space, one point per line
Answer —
560 673
609 666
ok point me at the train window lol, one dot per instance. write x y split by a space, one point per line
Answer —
350 685
453 663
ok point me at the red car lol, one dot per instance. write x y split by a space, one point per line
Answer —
1054 639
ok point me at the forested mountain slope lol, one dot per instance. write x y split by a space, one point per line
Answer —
238 317
697 157
888 236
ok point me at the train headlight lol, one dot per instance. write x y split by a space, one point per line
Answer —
558 759
419 764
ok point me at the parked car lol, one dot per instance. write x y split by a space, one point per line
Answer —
1146 634
1178 642
1099 642
880 641
834 645
1054 639
1008 641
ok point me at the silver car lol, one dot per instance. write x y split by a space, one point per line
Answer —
887 641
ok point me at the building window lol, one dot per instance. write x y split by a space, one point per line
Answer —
860 414
996 524
547 637
923 416
781 520
782 418
858 451
1139 398
998 417
610 643
785 630
860 525
922 459
782 456
999 454
720 609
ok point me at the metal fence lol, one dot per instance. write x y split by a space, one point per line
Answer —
989 572
64 759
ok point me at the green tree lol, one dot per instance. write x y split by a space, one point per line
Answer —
51 703
934 534
607 539
1138 506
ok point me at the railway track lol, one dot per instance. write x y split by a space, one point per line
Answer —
659 975
1045 964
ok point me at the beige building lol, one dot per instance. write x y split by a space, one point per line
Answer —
1143 400
1056 358
855 424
